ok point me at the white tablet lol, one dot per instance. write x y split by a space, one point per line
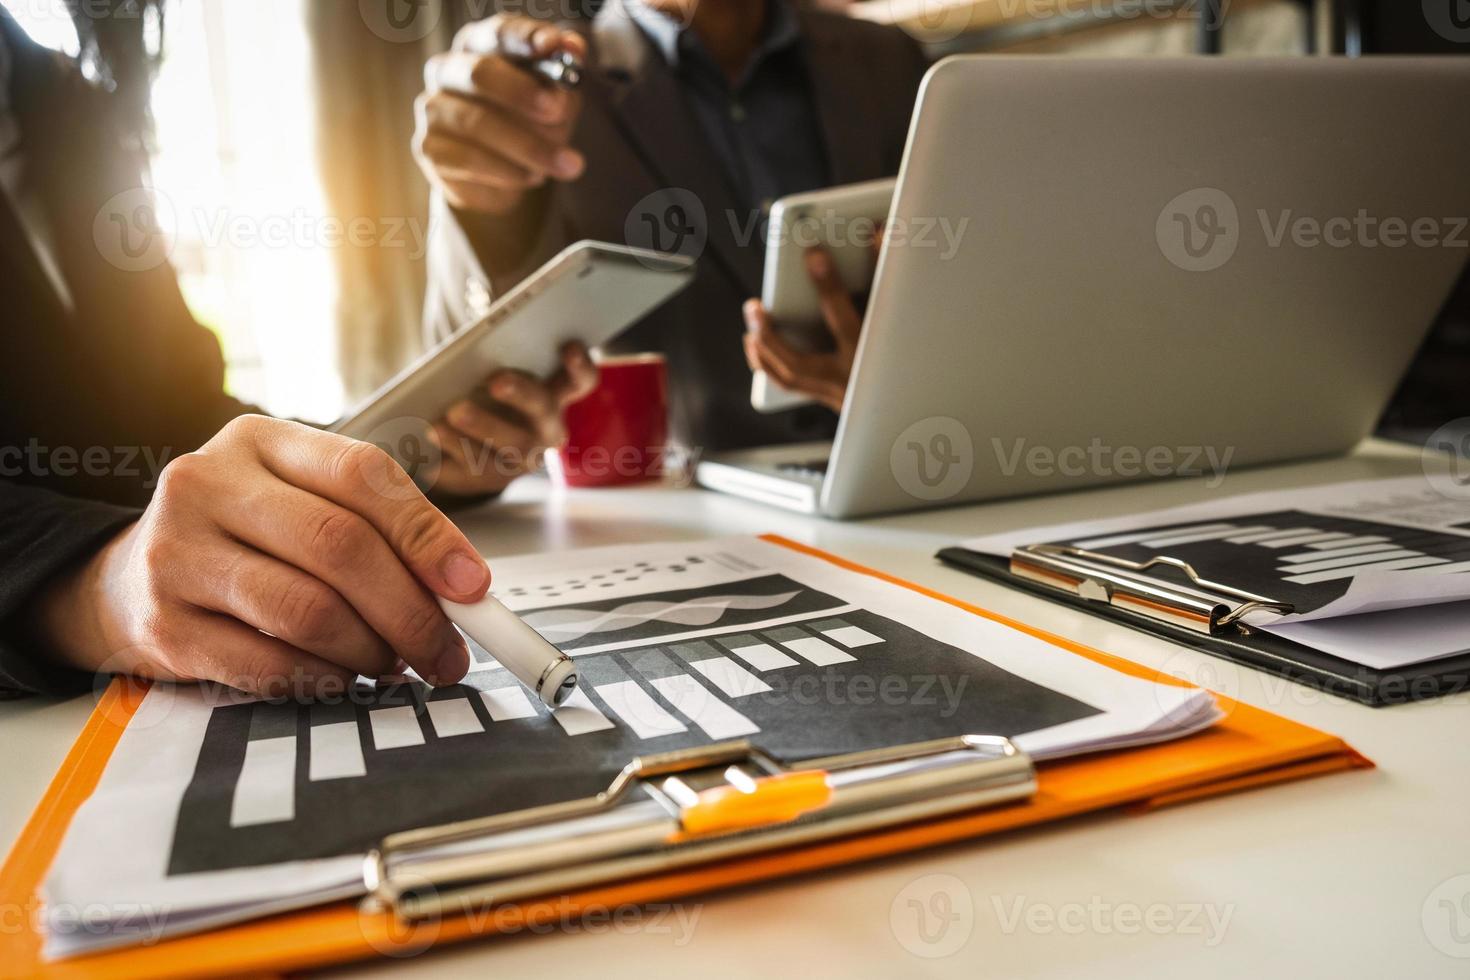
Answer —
590 292
845 220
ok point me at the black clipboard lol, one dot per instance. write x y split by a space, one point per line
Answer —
1205 617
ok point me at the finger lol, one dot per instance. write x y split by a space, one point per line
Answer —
367 482
345 551
451 443
820 387
538 150
769 341
533 400
492 80
577 378
782 373
549 39
815 375
519 36
480 36
758 353
208 646
510 445
453 159
752 358
757 319
282 600
466 467
838 312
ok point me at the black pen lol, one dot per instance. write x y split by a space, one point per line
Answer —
562 69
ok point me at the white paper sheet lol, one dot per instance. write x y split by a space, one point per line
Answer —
1387 640
116 853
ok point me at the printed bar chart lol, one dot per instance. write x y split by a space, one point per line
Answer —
797 670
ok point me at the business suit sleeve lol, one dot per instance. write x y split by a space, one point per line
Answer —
470 253
41 535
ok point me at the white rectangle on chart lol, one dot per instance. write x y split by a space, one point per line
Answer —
1171 538
1402 565
852 636
818 651
1258 536
1303 539
1350 542
336 752
1132 537
1336 551
1454 569
731 678
395 728
645 716
1304 568
715 717
454 717
578 715
508 704
266 789
763 657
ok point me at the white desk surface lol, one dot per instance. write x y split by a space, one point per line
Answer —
1362 874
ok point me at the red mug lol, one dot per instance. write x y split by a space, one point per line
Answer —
618 434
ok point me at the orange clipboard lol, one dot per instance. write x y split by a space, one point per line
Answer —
1249 748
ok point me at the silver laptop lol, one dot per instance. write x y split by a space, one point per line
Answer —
1163 267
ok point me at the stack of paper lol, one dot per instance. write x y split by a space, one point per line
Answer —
215 809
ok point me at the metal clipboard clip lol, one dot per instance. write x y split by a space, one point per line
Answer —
699 805
1205 607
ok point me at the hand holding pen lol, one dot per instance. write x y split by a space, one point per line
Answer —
496 119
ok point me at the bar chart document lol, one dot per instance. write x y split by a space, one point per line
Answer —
1376 572
219 807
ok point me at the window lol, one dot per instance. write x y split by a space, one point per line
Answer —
239 195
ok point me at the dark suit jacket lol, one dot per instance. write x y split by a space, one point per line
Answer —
92 399
640 139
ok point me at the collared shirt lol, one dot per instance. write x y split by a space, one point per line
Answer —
765 126
13 177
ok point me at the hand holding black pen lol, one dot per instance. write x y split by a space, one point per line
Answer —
496 119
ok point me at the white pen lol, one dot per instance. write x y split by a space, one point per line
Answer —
533 661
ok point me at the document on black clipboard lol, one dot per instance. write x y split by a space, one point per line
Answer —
1375 572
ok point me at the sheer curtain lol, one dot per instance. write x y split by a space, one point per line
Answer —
367 63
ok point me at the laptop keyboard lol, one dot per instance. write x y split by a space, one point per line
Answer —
812 470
